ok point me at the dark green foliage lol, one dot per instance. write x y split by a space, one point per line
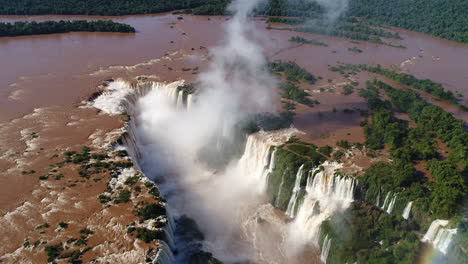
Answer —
132 180
308 41
122 164
337 155
347 89
384 128
86 231
426 85
355 49
297 8
151 211
63 225
149 235
99 156
82 157
449 189
104 198
45 225
113 8
53 251
268 121
357 232
203 257
292 92
51 27
287 162
354 31
155 192
446 19
431 119
326 150
131 229
344 144
124 197
286 20
292 71
382 177
75 255
188 229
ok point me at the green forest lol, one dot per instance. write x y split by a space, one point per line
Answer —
51 27
367 234
442 18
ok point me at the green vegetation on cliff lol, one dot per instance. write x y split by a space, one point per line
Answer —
408 145
51 27
367 232
288 159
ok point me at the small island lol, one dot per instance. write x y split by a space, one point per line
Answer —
52 27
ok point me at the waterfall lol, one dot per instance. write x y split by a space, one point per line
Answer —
386 200
325 249
169 229
255 160
180 99
378 198
407 210
189 101
271 165
164 254
297 187
326 194
439 236
280 189
391 204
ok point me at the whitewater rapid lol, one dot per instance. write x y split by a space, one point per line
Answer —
229 204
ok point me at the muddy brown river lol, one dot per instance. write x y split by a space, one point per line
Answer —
58 71
54 69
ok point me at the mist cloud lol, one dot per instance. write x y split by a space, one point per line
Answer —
236 83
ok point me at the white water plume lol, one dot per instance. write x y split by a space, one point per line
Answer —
327 193
407 210
325 249
290 211
440 236
174 142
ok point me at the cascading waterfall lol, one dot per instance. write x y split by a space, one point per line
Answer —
384 205
271 167
439 236
189 101
378 198
407 210
164 254
391 204
280 189
180 99
327 193
325 249
297 187
255 161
